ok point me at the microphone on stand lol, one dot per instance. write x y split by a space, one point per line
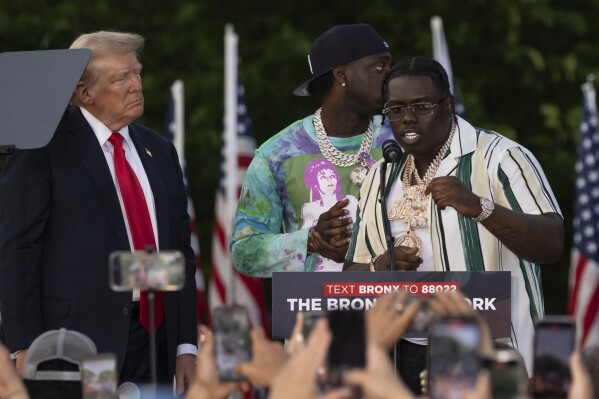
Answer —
391 153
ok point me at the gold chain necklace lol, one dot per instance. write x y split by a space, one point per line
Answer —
412 207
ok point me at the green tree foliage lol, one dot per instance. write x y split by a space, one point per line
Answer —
518 64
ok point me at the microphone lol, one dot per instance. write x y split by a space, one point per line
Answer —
391 151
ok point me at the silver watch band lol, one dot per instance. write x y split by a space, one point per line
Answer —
487 208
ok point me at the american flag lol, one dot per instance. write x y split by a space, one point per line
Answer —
227 285
174 130
584 268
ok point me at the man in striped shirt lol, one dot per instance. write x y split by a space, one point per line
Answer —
459 199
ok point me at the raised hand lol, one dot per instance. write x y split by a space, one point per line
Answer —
11 385
449 191
297 378
405 259
332 233
378 380
389 318
207 385
267 359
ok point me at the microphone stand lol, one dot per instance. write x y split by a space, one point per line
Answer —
386 225
151 293
151 307
388 238
150 390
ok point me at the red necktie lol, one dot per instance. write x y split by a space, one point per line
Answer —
139 221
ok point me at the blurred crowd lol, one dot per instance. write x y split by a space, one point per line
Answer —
305 366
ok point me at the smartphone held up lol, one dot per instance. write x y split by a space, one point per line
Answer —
453 356
99 377
509 379
553 345
232 342
348 347
143 270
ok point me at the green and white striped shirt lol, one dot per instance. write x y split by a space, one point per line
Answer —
492 166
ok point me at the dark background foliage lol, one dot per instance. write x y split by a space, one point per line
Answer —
518 65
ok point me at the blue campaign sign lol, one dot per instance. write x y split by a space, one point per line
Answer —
488 292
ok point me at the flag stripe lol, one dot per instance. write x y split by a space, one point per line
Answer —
244 161
218 283
579 270
221 236
590 315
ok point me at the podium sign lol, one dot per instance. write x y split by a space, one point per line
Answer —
488 292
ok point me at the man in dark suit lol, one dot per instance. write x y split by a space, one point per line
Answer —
64 208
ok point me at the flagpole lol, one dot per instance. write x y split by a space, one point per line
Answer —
230 154
179 119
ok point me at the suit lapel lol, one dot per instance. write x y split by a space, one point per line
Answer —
86 144
150 159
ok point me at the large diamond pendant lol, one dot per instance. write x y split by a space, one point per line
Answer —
357 175
409 240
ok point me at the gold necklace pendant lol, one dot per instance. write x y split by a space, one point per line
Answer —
410 240
399 209
411 208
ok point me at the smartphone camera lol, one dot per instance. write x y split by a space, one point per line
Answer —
310 319
553 345
232 343
423 317
348 347
98 376
509 379
157 271
453 360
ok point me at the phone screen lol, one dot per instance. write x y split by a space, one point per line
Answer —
453 360
232 343
310 319
159 271
348 347
554 343
509 379
98 376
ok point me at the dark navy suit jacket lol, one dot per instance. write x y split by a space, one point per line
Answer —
60 219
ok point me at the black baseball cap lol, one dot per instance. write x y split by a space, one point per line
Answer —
339 45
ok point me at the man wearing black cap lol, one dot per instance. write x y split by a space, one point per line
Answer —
299 196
